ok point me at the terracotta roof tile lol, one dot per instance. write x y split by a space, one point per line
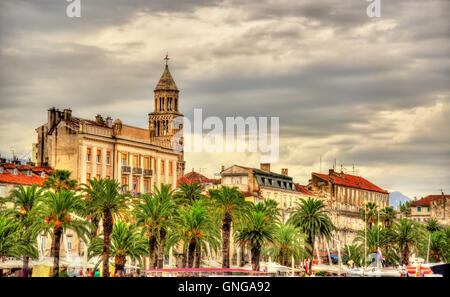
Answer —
426 201
351 181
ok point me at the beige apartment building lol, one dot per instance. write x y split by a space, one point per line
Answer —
344 196
139 158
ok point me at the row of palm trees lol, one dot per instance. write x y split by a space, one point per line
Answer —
397 240
118 226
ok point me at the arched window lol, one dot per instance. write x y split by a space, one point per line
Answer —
161 104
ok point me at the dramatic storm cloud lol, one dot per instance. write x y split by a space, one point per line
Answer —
368 92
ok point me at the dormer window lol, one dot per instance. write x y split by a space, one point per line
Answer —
15 171
2 170
43 174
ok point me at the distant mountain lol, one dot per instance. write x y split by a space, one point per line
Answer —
397 198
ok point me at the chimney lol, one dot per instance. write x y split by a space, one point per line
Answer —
265 167
222 168
342 174
284 171
67 114
331 172
16 161
99 120
109 122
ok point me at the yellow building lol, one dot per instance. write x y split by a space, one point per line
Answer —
139 158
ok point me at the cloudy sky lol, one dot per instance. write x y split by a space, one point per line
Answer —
369 92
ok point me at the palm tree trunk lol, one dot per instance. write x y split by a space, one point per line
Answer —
107 230
226 229
162 237
96 223
152 242
191 253
56 244
26 261
242 258
198 256
256 253
310 250
120 262
405 256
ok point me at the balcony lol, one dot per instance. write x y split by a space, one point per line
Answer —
148 172
126 169
137 170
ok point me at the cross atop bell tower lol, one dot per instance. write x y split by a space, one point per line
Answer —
167 58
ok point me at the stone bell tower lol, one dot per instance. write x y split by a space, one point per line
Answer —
161 120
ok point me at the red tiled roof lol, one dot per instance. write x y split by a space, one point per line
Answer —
426 201
194 177
9 166
21 179
303 189
351 181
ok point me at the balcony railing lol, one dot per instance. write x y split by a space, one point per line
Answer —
137 170
126 169
148 172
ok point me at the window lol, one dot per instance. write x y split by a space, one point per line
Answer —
263 180
244 180
98 176
43 242
170 168
88 176
136 161
146 185
99 156
88 155
2 191
124 159
419 209
69 242
108 177
108 158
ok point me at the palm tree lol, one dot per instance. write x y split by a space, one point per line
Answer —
438 247
105 201
289 242
405 209
408 236
188 193
313 220
27 211
58 180
58 209
433 226
166 197
369 214
257 231
354 253
387 215
230 204
126 241
151 212
378 237
196 226
12 241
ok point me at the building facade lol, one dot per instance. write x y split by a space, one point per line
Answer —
259 184
431 207
138 158
344 196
